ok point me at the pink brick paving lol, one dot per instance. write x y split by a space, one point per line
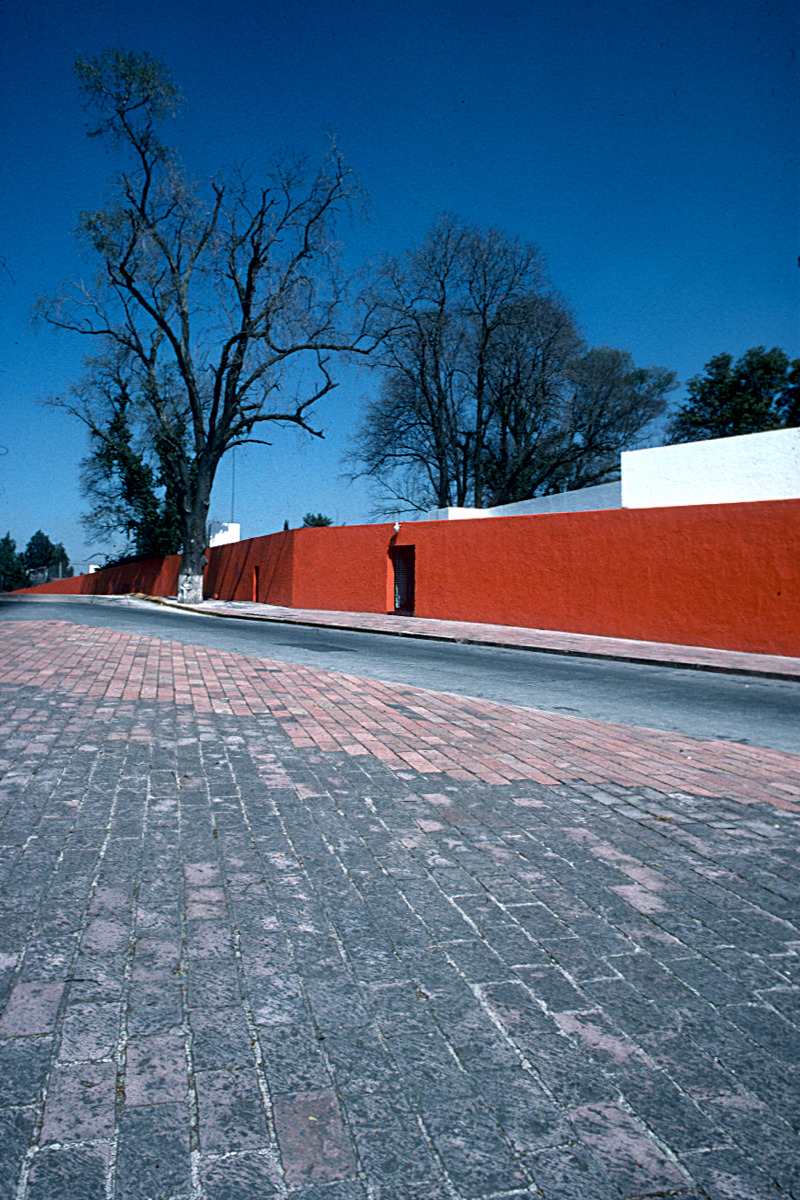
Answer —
274 933
404 727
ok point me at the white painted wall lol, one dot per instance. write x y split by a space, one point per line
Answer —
220 533
605 495
758 466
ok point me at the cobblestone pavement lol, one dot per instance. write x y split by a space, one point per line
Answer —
270 932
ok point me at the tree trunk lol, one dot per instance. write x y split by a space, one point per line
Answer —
190 586
193 560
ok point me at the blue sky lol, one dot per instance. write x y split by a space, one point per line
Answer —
648 147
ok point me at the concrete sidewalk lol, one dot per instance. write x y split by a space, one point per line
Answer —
700 658
268 931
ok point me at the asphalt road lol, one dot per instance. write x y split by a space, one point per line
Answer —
754 711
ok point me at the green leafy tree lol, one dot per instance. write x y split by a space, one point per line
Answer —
789 401
230 292
311 520
758 392
45 560
131 490
12 566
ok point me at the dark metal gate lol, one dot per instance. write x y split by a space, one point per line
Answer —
403 579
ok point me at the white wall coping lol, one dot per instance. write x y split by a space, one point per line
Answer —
756 466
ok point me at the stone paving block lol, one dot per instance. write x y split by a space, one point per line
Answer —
568 1075
477 1157
602 1039
571 1172
89 1031
518 1012
768 1029
659 983
477 962
767 1141
579 961
428 1065
156 1070
627 1006
538 922
155 958
153 1158
220 1038
677 1119
15 925
778 1088
63 1174
348 1189
276 993
374 959
713 983
105 971
786 1000
48 957
340 870
525 1113
16 1127
241 1175
363 1063
153 1007
713 1033
232 1116
390 1146
24 1066
512 944
552 987
727 1174
696 1073
213 985
31 1009
397 1006
633 1161
292 1056
80 1103
313 1143
475 1038
335 1001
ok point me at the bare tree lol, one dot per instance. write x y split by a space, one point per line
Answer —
530 358
411 437
443 308
609 406
489 394
228 304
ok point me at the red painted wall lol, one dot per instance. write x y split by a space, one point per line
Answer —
150 576
725 575
257 569
709 575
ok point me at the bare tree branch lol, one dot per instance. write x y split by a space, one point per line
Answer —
489 394
233 297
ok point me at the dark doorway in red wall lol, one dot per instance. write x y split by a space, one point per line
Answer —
403 558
